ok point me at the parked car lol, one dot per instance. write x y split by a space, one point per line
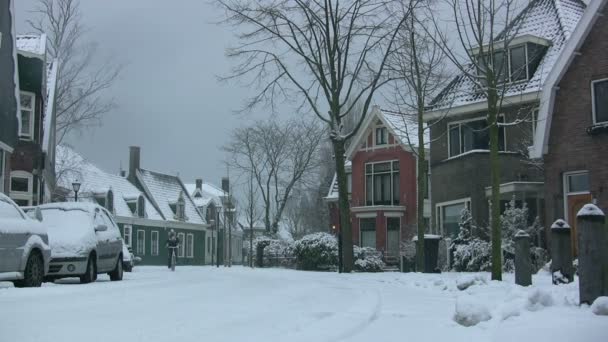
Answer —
85 241
24 246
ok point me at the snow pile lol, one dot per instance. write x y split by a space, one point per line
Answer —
465 282
470 311
590 210
539 299
600 306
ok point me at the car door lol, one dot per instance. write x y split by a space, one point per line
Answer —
102 242
114 239
13 236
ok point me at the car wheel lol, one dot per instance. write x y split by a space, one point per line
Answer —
91 273
34 271
116 274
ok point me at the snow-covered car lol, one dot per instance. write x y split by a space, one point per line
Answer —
24 246
85 241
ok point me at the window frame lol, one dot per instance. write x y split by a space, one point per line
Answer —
32 110
180 247
361 231
190 248
384 135
460 122
391 173
439 211
125 228
22 195
143 244
386 218
154 247
566 182
593 105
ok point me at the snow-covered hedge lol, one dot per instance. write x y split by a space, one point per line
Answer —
317 251
368 259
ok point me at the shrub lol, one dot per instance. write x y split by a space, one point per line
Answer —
368 259
472 256
317 251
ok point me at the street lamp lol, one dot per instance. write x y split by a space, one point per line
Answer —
76 188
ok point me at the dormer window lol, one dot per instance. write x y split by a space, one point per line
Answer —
179 208
132 206
198 195
519 62
110 201
141 207
381 136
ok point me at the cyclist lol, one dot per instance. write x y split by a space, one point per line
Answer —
172 244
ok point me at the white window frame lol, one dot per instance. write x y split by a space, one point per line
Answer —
22 195
439 207
143 244
460 122
32 111
594 116
566 186
182 241
385 134
129 228
154 244
190 248
372 174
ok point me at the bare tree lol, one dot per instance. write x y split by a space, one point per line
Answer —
251 211
484 30
419 74
331 54
279 156
81 82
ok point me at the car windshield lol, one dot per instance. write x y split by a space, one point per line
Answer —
7 210
66 220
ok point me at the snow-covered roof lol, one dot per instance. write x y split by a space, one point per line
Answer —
552 20
332 195
165 190
71 166
565 58
49 110
209 192
32 45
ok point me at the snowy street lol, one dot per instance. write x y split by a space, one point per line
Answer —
239 304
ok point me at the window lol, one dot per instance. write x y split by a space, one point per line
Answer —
28 105
180 248
368 232
154 243
599 91
2 154
21 187
448 216
110 201
127 235
349 182
132 206
190 246
141 206
392 236
519 63
472 135
141 242
382 183
381 136
577 182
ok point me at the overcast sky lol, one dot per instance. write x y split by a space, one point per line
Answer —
169 101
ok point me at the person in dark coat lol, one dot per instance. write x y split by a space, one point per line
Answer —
171 245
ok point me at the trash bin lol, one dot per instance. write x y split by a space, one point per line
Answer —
431 252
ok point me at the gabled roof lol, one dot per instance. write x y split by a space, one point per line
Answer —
209 192
565 59
71 166
49 110
164 190
401 127
32 45
552 20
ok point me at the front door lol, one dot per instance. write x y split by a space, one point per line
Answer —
577 194
575 203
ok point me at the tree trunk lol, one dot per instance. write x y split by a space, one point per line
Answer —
344 207
421 180
495 182
251 245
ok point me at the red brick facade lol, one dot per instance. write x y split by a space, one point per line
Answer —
570 147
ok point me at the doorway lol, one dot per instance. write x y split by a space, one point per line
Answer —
576 194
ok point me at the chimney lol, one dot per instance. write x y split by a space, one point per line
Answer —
199 184
134 153
226 184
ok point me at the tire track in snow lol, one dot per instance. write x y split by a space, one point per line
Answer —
364 323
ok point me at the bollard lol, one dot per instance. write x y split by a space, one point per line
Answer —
592 263
562 270
523 262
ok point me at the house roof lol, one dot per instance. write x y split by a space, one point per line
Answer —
209 192
565 59
164 191
32 45
49 111
72 166
332 195
552 20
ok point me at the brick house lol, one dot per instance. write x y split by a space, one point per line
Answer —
459 157
32 175
9 93
381 172
573 121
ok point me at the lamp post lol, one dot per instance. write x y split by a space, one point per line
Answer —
76 188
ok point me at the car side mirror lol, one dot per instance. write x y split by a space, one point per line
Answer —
38 214
101 228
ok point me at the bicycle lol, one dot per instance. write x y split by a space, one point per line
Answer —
173 258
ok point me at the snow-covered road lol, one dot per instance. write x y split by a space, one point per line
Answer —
239 304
